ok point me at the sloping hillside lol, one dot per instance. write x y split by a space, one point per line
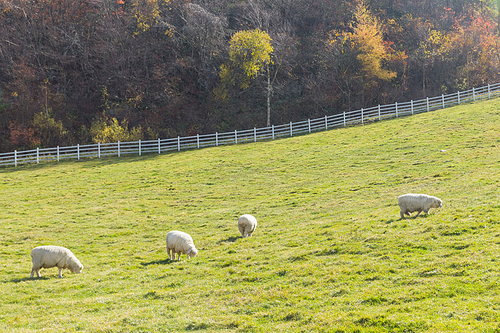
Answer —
329 254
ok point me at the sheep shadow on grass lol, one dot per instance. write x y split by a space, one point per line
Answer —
232 239
158 262
413 217
28 279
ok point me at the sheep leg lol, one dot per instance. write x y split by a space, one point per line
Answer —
60 273
418 213
169 254
402 214
33 272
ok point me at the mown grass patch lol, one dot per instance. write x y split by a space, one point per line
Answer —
330 253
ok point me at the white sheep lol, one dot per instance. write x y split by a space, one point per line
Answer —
411 202
54 256
247 224
180 242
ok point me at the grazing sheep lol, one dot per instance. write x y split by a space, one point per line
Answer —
412 202
180 242
54 256
247 224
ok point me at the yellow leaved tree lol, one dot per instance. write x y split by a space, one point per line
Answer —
368 39
435 46
148 14
249 52
112 131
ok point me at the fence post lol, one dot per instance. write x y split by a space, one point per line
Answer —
235 137
178 143
326 122
396 105
198 141
473 95
37 155
216 139
118 148
458 95
344 118
379 112
427 104
411 103
57 153
15 157
442 98
272 129
254 134
291 131
139 147
99 150
78 151
309 125
489 96
159 146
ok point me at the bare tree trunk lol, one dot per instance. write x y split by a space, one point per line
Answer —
498 17
423 78
269 88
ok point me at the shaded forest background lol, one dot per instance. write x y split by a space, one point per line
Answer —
81 71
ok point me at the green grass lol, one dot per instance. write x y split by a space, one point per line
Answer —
330 253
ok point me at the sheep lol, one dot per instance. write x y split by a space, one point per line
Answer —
180 242
412 202
54 256
247 224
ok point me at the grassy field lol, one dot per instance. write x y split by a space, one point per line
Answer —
330 253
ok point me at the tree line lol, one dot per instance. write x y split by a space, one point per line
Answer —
81 71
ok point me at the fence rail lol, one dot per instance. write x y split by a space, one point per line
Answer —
159 146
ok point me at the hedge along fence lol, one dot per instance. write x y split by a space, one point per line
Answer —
159 146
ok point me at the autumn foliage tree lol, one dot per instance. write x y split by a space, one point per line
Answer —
474 42
434 47
358 58
372 52
107 131
249 53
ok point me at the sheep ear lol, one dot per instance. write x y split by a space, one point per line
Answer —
188 252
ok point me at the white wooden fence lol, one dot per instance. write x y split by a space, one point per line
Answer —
252 135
